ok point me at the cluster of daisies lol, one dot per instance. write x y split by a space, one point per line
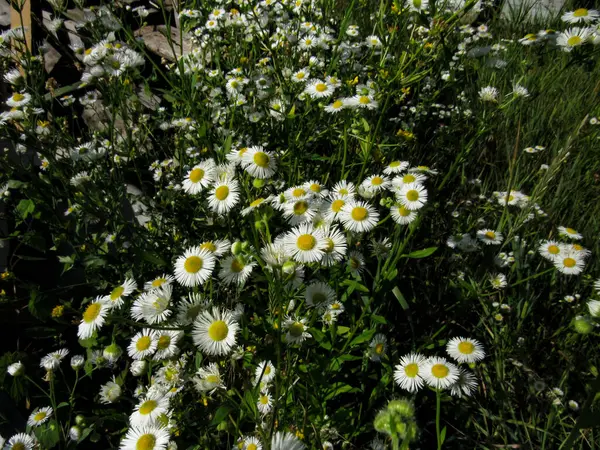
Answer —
416 370
585 30
568 257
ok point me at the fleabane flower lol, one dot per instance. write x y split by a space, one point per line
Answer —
199 177
305 243
39 416
194 267
116 298
490 237
259 163
93 318
151 437
319 89
465 350
224 195
439 373
573 37
149 409
412 196
359 216
214 332
408 374
143 344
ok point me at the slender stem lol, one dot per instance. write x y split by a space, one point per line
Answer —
438 410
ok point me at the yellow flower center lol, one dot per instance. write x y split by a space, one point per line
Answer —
218 331
440 371
148 406
209 246
251 447
408 178
379 349
466 347
577 247
394 164
320 87
193 264
196 175
490 235
306 242
222 192
411 370
296 329
18 446
300 75
257 202
412 195
336 205
18 97
315 187
403 211
574 40
214 379
236 266
163 342
377 181
336 306
264 399
242 151
364 100
146 442
116 293
354 263
569 262
300 208
337 104
39 416
581 12
267 370
298 192
261 159
359 213
159 282
344 191
553 249
91 312
143 343
330 245
570 231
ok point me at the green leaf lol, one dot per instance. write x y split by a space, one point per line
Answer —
340 388
354 285
364 337
153 258
62 405
378 319
443 435
15 184
25 208
400 298
220 415
320 337
342 330
421 253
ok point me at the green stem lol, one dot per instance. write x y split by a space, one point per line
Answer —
438 412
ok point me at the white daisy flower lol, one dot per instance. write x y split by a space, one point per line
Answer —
305 243
21 441
162 280
318 293
399 181
332 207
336 106
166 344
573 37
208 378
373 41
199 177
581 15
17 100
236 269
301 75
52 360
594 308
408 374
396 167
252 443
16 369
299 212
39 416
143 344
153 437
296 330
439 373
224 195
377 347
286 441
465 350
569 263
465 385
110 392
336 246
363 101
489 237
402 215
489 94
569 233
148 410
189 308
319 89
116 298
376 183
194 267
356 262
551 249
412 195
358 216
93 318
264 373
214 332
264 403
498 281
153 306
344 189
259 163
